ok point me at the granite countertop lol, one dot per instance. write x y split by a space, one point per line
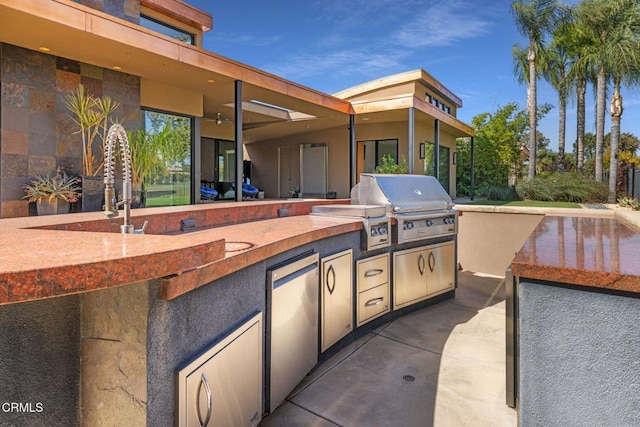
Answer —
594 252
42 257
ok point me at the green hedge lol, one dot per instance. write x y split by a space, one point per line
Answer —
563 187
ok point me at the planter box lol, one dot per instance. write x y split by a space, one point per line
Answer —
92 193
53 207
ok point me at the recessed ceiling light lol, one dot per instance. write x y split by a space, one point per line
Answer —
365 118
44 49
117 67
211 81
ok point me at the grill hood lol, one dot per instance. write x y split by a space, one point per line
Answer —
401 193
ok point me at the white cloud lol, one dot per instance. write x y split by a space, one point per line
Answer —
442 24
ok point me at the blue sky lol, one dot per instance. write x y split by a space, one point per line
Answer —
331 45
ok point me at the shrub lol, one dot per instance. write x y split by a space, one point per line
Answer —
388 165
563 187
502 193
628 202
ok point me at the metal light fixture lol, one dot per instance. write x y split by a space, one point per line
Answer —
422 150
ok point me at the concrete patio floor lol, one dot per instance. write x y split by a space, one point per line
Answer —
443 365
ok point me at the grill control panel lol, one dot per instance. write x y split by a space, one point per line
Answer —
377 233
419 227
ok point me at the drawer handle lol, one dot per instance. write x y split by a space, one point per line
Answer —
374 301
207 389
371 273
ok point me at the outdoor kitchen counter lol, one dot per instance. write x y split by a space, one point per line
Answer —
593 252
42 257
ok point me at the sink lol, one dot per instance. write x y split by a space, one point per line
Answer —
237 246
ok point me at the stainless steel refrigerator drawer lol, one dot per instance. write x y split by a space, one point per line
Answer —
373 303
372 272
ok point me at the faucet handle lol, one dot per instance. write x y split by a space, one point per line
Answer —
141 230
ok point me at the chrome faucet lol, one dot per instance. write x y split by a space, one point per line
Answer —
111 204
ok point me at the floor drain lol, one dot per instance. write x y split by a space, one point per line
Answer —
409 378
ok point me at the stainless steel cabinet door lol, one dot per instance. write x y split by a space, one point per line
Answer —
440 268
409 276
337 297
226 388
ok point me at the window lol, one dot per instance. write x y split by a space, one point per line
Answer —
370 153
444 168
166 29
172 135
435 102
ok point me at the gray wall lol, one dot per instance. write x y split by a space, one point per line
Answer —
579 358
40 362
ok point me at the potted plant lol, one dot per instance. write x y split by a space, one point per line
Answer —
92 117
53 193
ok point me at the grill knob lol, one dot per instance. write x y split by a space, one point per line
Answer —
429 223
408 225
374 231
383 230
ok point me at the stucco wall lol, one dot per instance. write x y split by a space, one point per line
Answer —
264 154
265 161
40 362
579 358
488 241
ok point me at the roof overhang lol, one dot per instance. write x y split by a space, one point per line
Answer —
387 109
182 12
419 76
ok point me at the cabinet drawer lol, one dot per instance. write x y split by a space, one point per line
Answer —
373 272
373 303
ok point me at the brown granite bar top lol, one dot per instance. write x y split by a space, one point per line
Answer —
594 252
42 257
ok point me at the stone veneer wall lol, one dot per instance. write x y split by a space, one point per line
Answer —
113 350
36 134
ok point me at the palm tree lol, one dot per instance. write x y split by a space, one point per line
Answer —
534 20
568 37
609 47
581 94
624 65
555 64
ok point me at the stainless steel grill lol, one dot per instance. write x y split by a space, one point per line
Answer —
420 205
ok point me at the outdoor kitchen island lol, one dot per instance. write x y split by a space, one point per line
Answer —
573 342
96 324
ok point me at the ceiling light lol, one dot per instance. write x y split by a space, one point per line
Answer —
117 67
210 81
44 49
